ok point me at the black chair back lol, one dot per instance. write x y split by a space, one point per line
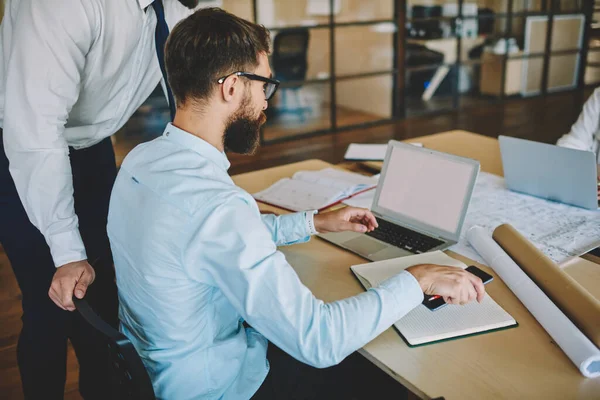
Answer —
130 378
289 58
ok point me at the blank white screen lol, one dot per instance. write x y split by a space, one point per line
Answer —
426 187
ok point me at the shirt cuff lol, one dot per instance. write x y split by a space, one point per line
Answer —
406 290
310 222
66 247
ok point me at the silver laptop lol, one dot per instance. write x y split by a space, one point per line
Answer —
556 173
420 204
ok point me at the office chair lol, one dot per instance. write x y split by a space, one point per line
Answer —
130 380
289 61
417 55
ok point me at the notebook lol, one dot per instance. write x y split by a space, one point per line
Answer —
315 190
422 326
368 152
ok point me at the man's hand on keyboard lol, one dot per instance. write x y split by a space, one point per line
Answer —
454 284
346 219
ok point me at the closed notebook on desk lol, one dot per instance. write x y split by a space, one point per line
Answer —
422 326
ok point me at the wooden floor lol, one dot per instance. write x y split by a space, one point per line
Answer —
541 119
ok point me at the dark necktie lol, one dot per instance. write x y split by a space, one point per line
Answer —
161 34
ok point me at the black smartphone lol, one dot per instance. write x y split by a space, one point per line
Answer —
481 274
435 302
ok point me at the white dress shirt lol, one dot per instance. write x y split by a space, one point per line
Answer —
72 72
194 258
585 133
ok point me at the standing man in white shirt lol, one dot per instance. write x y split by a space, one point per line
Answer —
72 72
585 132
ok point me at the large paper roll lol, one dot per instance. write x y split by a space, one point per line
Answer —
580 350
573 300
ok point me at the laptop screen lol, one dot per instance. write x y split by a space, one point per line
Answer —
427 187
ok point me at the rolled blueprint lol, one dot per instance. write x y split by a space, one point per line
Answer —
573 300
580 350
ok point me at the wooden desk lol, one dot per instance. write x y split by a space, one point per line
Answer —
461 143
520 363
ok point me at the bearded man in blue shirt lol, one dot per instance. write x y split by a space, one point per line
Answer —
195 258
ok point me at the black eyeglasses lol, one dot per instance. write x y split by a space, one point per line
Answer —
270 86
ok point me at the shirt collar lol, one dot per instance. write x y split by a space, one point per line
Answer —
144 3
196 144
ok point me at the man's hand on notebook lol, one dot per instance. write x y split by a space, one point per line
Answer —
346 219
454 284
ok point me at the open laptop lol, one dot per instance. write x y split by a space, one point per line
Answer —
555 173
420 203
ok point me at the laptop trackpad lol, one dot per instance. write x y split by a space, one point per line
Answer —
364 246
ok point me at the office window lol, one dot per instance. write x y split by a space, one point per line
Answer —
531 78
592 70
567 41
297 110
300 53
563 71
241 8
364 48
568 6
485 7
453 54
316 94
373 104
284 13
529 6
300 59
351 11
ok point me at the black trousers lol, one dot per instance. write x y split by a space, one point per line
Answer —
355 378
42 347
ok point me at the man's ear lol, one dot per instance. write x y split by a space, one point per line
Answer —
230 87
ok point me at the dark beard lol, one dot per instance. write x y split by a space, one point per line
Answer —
242 132
191 4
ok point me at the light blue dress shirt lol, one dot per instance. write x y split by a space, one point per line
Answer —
195 258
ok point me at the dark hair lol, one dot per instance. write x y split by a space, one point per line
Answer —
208 45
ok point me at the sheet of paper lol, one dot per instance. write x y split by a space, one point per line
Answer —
362 200
336 178
368 152
558 230
580 350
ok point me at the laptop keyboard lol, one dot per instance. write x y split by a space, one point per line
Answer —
403 238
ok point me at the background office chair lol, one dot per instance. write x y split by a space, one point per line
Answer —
289 61
417 55
130 378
